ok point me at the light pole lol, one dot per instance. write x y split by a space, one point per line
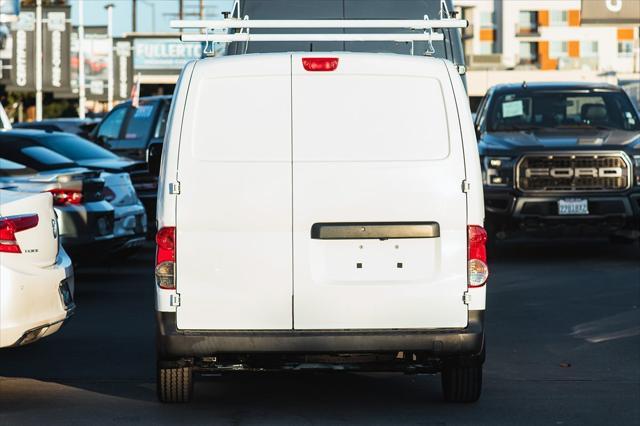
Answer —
82 89
38 60
109 8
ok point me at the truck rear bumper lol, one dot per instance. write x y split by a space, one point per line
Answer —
174 343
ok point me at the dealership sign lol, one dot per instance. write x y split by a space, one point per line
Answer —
122 68
24 42
55 50
161 54
622 12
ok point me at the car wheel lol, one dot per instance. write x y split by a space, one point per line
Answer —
462 383
174 384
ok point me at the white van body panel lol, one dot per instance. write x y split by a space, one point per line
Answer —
475 194
386 150
234 251
166 204
263 150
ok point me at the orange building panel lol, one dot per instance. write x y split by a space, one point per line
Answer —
546 63
574 18
574 49
487 34
625 33
543 18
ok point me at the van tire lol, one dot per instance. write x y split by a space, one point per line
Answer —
462 383
174 385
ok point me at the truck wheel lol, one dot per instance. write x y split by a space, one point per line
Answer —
462 383
174 384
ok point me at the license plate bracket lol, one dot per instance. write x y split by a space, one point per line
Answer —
573 207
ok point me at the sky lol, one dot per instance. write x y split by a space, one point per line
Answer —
151 13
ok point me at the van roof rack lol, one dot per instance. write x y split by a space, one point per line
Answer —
211 30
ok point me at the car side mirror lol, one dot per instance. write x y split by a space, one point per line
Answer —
478 133
154 157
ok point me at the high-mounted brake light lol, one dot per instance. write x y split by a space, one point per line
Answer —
66 196
320 64
166 257
477 268
9 226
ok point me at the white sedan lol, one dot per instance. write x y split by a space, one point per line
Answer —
36 274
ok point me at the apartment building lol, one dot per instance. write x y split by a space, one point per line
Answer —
515 40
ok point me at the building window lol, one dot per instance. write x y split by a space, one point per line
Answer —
558 18
588 49
528 52
486 19
527 22
558 49
625 49
487 47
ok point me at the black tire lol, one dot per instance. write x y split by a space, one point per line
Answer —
174 385
462 383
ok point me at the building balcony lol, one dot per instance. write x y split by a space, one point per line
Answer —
527 31
485 62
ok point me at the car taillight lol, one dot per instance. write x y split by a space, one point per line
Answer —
477 269
66 196
9 226
166 257
320 64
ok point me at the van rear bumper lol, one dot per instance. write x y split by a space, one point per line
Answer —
174 343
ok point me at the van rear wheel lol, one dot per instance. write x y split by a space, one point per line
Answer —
174 384
462 383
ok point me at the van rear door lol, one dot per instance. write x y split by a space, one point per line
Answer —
379 215
233 217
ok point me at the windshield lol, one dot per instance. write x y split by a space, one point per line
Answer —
75 148
531 110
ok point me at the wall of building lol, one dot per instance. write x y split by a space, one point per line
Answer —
496 28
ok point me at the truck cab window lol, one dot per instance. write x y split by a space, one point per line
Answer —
110 128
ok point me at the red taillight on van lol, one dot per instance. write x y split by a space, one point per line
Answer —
166 257
8 228
66 196
477 269
320 64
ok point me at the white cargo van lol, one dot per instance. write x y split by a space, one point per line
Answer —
320 210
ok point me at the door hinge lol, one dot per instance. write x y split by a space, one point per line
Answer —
174 300
174 188
466 298
466 186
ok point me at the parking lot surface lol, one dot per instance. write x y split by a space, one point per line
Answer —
563 348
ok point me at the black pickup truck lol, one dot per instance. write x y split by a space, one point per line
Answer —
560 159
137 133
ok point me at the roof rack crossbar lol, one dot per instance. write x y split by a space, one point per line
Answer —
247 37
234 23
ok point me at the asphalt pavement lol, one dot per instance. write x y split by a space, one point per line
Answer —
563 348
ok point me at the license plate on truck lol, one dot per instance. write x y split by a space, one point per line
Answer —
573 206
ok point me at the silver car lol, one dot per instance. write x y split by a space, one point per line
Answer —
85 218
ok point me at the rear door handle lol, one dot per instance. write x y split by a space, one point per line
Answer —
374 230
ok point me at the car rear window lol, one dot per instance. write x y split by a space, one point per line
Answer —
75 147
28 153
11 168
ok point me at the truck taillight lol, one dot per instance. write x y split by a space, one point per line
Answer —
477 269
166 257
9 226
66 196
